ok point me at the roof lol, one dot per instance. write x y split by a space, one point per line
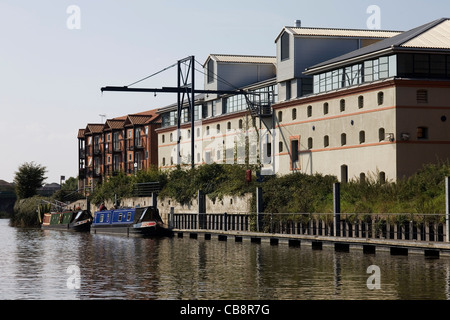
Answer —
115 123
434 35
94 128
341 33
141 118
226 58
81 133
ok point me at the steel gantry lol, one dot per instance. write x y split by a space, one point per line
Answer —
185 89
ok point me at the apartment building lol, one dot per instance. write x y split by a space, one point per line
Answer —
127 144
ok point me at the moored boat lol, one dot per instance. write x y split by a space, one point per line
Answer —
78 221
136 222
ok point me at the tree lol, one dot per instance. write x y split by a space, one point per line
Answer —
28 179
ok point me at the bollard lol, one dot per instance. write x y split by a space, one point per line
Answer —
172 216
337 209
447 209
259 209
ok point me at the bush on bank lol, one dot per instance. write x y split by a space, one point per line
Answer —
26 212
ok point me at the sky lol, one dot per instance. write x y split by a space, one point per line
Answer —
54 59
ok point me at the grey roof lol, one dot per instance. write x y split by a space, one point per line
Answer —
386 44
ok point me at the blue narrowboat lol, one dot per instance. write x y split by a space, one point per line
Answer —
135 222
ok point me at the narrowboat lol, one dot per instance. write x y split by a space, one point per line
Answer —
134 222
78 221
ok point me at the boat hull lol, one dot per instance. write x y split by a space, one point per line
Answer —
132 222
131 231
67 221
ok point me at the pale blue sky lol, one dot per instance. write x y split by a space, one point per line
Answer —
50 76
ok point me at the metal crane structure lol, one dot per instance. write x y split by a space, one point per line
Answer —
185 89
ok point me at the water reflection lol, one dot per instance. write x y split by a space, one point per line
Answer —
34 266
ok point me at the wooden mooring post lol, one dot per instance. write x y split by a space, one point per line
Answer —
447 209
337 209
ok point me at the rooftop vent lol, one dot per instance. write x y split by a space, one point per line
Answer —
298 23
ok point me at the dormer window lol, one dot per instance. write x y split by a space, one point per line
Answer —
285 46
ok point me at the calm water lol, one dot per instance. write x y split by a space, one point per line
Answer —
34 265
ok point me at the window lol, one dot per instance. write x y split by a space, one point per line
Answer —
294 155
288 90
218 128
342 105
120 217
210 71
381 134
164 161
171 137
422 133
382 177
229 126
309 111
362 136
360 102
280 146
422 96
207 130
343 139
163 138
380 98
344 173
285 46
280 116
326 141
294 114
362 177
325 108
310 143
241 124
213 108
128 216
198 132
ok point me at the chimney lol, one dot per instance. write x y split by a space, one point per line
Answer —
298 23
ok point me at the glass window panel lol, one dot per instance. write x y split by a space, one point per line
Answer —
421 63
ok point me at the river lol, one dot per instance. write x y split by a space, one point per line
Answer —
55 265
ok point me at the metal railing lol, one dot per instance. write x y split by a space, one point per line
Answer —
418 227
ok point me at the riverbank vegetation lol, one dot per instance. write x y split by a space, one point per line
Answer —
423 192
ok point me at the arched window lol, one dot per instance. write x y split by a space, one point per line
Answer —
344 173
310 143
294 114
343 139
381 134
360 102
342 105
362 137
326 141
280 116
309 111
380 98
325 108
